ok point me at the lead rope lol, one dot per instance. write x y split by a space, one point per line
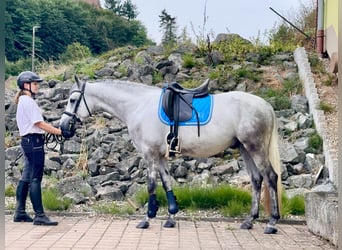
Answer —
54 140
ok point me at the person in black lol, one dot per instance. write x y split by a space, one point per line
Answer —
32 128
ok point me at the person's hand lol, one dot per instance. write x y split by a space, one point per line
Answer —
68 133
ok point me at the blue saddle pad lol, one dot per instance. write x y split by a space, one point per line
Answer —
203 106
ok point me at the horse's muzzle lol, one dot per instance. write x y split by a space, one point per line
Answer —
68 127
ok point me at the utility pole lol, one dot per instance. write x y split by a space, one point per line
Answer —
33 40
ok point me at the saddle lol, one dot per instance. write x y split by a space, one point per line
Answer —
177 105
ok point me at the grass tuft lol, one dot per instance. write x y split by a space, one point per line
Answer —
53 201
229 201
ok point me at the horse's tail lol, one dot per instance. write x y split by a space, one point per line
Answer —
274 158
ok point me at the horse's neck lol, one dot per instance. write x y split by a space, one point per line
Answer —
119 98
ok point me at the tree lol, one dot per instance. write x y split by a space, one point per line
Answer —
124 9
129 10
169 27
64 22
113 5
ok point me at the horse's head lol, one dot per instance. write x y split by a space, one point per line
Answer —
76 109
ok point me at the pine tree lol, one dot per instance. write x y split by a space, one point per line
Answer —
169 27
124 9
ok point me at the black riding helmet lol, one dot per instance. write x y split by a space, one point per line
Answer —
27 77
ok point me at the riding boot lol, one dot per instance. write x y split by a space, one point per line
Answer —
36 199
171 198
20 214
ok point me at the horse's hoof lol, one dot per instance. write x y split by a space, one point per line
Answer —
270 230
143 225
246 225
170 224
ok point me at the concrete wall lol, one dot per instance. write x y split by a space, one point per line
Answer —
304 70
321 208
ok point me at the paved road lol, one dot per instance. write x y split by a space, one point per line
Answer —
84 232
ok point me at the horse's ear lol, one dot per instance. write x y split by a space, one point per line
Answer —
77 81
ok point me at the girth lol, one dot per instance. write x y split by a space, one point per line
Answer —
177 105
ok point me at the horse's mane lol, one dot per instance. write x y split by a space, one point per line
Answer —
125 83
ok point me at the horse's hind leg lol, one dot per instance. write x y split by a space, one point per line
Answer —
271 179
256 181
260 168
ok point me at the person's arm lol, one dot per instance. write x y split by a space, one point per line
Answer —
48 128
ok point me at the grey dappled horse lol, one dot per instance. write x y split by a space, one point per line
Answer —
238 120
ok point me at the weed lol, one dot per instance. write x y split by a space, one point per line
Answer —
157 77
189 61
53 201
82 161
10 206
113 208
191 83
10 191
294 206
316 63
234 209
326 107
248 73
9 140
123 70
292 86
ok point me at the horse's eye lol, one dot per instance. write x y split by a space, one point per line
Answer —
72 101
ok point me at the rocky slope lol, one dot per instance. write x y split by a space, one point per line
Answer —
90 167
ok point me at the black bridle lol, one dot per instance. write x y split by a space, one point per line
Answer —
73 114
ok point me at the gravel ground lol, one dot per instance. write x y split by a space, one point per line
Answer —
329 95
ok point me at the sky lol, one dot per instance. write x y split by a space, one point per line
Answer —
248 18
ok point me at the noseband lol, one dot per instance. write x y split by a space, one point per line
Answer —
73 114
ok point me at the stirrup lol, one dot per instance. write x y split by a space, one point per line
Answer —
173 147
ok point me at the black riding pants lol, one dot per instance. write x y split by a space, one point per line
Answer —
33 149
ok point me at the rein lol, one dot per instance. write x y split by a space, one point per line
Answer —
49 138
55 139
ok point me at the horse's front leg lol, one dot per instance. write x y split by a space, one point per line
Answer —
171 198
153 204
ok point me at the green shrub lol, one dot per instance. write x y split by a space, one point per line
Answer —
315 143
75 52
14 68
